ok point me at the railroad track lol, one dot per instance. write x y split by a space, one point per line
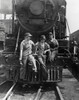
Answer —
4 87
49 94
16 92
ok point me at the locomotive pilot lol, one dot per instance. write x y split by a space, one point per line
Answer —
26 52
53 46
41 48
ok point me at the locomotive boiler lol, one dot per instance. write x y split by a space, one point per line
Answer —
40 16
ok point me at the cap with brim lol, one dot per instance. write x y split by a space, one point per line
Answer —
50 33
42 37
28 34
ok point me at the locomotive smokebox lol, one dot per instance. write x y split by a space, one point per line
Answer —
36 7
37 15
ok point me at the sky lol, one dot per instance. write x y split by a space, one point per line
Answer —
72 13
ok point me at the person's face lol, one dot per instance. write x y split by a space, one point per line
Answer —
27 38
42 41
50 36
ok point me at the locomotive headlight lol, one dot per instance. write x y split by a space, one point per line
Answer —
36 7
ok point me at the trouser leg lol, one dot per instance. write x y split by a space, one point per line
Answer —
48 57
32 59
43 70
23 70
53 55
41 61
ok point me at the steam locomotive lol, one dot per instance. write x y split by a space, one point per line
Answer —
37 17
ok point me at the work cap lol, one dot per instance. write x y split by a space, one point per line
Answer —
43 37
50 33
28 34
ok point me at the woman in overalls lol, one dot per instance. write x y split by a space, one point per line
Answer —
26 54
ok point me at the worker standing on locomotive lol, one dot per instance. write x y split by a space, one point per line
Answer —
26 53
53 46
41 48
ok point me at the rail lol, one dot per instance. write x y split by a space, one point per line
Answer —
57 90
9 92
59 93
40 94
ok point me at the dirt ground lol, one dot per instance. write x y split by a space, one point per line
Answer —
69 86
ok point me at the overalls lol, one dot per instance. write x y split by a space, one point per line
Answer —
27 55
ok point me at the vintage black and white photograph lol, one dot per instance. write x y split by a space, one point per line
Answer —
39 49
